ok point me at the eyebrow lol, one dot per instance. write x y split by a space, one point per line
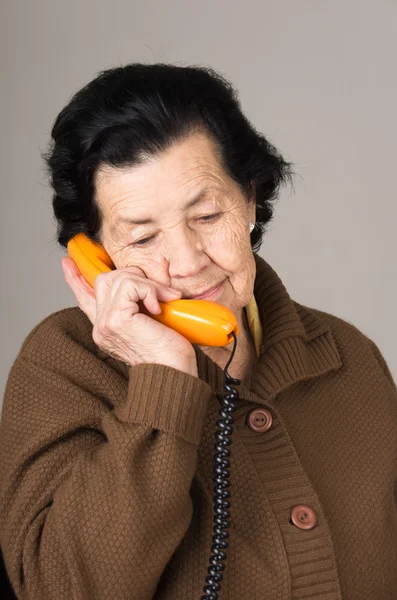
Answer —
189 204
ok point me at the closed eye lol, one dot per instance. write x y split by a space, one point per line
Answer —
209 217
142 242
205 219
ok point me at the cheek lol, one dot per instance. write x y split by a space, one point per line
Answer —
230 247
231 250
242 281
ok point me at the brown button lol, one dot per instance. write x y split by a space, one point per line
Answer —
259 419
303 516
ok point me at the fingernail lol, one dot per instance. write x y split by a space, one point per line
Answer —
176 292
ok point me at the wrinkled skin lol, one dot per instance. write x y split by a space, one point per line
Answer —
180 249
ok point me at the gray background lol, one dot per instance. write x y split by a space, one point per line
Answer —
318 78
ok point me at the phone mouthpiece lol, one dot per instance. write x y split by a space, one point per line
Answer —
202 322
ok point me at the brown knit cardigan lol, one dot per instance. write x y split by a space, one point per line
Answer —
106 471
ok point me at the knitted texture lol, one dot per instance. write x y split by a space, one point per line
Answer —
106 471
254 323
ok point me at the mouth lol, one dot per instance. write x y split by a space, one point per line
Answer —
210 292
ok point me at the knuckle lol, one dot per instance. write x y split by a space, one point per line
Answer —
128 274
112 322
136 270
139 286
126 281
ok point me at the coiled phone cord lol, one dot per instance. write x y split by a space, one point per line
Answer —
220 493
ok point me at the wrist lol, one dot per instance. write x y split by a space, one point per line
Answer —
187 366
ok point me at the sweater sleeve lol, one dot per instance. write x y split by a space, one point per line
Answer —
382 363
95 470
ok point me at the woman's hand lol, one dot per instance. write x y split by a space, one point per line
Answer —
119 328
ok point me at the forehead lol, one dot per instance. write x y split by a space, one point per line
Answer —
184 169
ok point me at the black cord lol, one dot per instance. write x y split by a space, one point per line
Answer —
220 493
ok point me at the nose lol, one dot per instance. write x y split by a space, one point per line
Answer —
185 255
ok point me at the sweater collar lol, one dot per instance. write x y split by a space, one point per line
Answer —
296 344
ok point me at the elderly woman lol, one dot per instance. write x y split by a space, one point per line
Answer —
109 417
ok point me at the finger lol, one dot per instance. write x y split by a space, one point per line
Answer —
123 309
133 269
124 304
119 275
161 286
139 290
106 284
84 293
151 295
135 291
148 291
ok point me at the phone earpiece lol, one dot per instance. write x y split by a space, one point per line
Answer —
90 258
202 322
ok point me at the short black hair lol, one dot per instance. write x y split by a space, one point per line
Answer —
129 113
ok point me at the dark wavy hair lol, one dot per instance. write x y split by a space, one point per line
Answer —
127 114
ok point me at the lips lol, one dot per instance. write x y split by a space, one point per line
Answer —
207 292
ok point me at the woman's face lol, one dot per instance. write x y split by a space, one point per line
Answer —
190 248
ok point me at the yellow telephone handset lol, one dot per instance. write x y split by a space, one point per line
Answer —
202 322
